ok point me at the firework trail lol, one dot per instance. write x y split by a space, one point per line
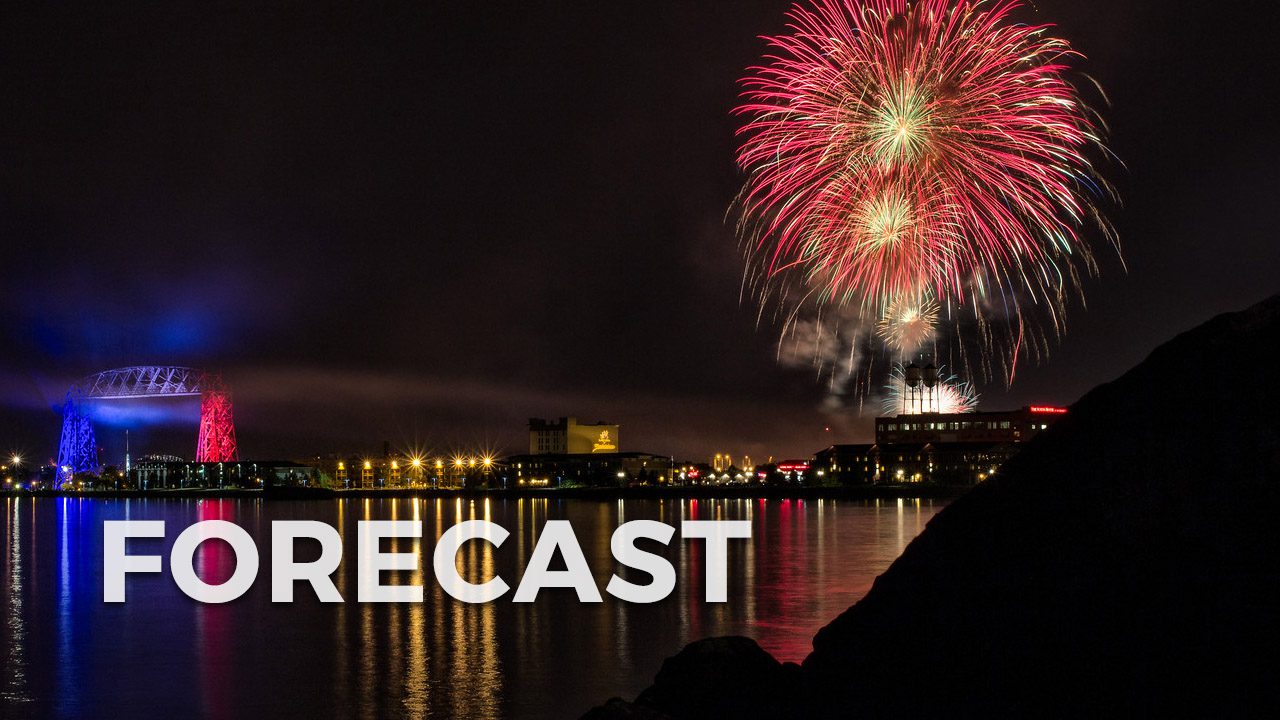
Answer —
931 151
948 395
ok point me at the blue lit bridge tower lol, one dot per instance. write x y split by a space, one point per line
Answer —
78 451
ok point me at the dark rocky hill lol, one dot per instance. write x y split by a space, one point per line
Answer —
1126 561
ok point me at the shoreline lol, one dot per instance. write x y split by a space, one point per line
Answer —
872 492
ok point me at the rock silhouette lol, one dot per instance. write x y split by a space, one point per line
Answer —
1125 562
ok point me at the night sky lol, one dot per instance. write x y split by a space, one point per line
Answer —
426 222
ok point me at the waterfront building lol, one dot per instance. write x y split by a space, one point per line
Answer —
966 463
943 448
794 470
1010 426
588 470
567 437
167 472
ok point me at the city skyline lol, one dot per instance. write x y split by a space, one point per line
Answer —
172 425
364 263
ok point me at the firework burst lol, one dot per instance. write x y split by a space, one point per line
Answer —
908 323
949 395
924 148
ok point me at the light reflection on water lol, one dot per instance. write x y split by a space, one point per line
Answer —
68 654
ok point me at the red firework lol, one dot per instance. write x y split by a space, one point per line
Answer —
926 149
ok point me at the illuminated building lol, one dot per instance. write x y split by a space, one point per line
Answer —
594 470
722 462
991 427
567 437
949 449
167 472
366 475
795 469
940 463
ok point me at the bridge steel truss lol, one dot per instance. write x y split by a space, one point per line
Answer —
77 450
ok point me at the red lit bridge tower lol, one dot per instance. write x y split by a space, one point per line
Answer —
217 438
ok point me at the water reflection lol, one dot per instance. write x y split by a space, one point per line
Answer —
67 653
66 658
214 563
13 683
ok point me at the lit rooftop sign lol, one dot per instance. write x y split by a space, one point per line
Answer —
1048 410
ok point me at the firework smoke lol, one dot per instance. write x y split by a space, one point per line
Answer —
831 347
